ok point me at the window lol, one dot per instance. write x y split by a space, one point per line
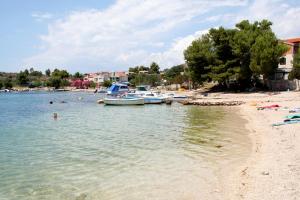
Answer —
282 61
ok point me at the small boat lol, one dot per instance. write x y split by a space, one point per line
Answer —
179 97
125 101
5 90
117 89
151 98
142 89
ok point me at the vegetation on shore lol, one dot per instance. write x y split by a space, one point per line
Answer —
235 57
32 78
295 73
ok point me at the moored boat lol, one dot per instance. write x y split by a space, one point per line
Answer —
153 99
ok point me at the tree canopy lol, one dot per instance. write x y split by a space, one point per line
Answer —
235 55
154 68
295 73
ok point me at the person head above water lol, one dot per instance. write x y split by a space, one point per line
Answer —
55 115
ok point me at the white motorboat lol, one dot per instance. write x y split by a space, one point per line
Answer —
151 98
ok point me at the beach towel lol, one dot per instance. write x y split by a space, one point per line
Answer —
268 107
287 121
294 116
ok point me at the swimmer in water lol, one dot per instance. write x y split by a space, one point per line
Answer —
55 116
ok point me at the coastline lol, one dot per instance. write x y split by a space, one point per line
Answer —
272 170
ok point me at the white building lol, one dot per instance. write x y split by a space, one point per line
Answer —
98 78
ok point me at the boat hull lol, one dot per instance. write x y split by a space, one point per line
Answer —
153 100
124 102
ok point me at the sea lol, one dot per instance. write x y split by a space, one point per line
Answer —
94 151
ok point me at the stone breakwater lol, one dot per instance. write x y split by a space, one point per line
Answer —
212 103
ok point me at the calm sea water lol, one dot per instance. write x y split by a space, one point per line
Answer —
104 152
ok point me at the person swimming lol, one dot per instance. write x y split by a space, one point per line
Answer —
55 116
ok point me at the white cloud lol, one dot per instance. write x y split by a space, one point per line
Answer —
174 55
283 15
137 32
127 33
40 16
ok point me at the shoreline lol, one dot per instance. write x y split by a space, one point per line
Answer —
272 170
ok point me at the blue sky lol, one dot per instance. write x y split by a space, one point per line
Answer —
96 35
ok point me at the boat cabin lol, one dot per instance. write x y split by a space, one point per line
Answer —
116 89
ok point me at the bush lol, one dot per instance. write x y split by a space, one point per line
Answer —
107 83
7 83
35 84
93 84
294 74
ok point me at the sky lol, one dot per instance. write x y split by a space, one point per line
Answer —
113 35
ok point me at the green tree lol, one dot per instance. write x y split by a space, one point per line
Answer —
154 68
36 73
26 72
60 73
134 69
48 72
107 83
7 83
174 74
31 70
265 54
143 68
200 56
1 85
64 83
225 67
78 75
295 73
235 55
35 84
93 84
146 79
22 78
54 82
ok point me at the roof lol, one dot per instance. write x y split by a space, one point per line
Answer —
293 40
118 74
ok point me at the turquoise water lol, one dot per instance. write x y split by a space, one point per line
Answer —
94 151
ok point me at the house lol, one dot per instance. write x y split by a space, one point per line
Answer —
285 64
97 78
119 76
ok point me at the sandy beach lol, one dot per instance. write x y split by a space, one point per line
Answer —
272 171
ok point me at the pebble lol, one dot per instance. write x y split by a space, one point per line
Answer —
265 173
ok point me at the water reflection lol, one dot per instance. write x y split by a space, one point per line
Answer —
202 123
214 134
